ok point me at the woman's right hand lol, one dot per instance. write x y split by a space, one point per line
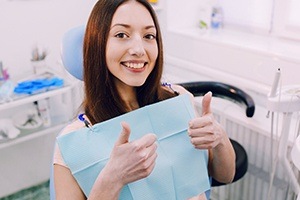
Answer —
131 161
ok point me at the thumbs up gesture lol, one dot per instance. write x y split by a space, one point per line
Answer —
205 131
131 161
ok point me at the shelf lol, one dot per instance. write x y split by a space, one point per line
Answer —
32 98
29 135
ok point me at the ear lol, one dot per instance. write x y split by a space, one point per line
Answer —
72 51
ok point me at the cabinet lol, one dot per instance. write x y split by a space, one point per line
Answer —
25 160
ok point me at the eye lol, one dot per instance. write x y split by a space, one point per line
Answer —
150 36
121 35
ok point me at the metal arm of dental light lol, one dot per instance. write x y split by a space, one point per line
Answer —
287 101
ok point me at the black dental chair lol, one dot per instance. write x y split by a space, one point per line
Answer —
72 57
73 62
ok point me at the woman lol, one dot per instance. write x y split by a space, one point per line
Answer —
123 64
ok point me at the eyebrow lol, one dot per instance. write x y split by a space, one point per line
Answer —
128 26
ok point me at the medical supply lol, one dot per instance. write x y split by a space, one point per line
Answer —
204 14
85 121
153 1
8 130
275 84
38 85
216 17
44 112
169 85
6 91
38 54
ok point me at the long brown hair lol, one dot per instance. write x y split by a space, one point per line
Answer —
102 100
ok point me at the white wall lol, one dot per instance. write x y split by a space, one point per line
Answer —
25 23
244 59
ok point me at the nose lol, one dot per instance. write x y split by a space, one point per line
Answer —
136 47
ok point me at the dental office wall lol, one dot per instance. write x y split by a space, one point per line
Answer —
25 24
243 59
25 161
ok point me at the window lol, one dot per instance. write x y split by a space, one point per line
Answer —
276 17
287 18
252 15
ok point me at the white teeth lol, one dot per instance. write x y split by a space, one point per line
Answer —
134 65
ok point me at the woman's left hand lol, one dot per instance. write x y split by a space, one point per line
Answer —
205 131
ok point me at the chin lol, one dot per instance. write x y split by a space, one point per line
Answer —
136 83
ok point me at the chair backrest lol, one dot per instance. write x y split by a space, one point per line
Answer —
51 183
72 51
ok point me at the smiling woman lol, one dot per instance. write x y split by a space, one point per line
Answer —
122 70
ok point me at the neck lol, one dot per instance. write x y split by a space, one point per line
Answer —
128 95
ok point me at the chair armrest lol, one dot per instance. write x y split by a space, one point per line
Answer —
222 90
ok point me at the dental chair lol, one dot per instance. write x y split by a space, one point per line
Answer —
72 57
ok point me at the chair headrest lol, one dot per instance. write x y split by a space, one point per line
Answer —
72 51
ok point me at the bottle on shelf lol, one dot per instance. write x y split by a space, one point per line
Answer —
44 112
217 16
205 15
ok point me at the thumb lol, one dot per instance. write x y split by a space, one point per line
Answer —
206 103
124 135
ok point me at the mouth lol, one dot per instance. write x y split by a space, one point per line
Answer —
134 65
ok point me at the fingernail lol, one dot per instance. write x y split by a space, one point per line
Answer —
190 124
209 93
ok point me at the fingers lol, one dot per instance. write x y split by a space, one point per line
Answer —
145 141
207 116
206 103
150 155
124 135
200 122
206 142
151 150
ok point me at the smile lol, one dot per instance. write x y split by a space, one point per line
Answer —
134 65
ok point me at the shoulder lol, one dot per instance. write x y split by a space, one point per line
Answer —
73 126
173 88
177 89
181 90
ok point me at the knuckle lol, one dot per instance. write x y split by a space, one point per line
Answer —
211 130
135 146
143 157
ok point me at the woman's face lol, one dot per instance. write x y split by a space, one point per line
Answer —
131 50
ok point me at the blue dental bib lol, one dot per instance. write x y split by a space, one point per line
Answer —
180 171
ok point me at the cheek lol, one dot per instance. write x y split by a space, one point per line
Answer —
153 53
109 55
113 50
